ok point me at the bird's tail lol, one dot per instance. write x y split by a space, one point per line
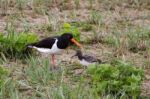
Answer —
30 45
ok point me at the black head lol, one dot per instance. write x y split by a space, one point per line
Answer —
78 53
67 36
65 40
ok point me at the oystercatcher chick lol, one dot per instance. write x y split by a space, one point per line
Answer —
54 45
86 60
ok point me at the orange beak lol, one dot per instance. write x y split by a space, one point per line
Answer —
75 42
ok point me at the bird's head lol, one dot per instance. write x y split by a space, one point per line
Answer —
69 37
78 53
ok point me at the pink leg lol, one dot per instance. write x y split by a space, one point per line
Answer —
53 59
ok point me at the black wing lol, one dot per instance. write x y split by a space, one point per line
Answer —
90 58
45 43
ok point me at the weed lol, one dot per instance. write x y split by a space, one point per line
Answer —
21 4
41 6
87 27
138 39
118 78
9 90
146 64
111 40
53 21
4 5
77 3
42 74
14 44
3 74
90 3
26 25
67 28
97 35
95 17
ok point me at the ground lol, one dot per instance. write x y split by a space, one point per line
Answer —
114 17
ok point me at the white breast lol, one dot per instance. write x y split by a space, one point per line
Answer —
85 63
53 50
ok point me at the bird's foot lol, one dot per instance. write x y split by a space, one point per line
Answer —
55 68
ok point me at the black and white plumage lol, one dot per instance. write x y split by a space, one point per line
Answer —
54 45
86 60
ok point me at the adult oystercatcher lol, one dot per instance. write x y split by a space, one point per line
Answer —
86 60
54 45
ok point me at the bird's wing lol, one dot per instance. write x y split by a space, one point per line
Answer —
90 58
45 43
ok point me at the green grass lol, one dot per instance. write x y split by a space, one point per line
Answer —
32 78
95 17
40 82
3 75
120 79
67 28
15 44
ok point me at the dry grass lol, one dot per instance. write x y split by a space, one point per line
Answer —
121 30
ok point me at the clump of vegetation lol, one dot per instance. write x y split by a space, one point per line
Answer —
42 75
90 3
113 41
118 78
138 40
87 27
46 83
10 89
95 17
3 74
14 45
67 28
77 4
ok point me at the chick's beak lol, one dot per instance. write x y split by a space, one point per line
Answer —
75 42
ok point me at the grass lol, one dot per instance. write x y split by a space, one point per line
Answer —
95 17
14 44
120 79
67 28
119 27
77 3
39 82
43 83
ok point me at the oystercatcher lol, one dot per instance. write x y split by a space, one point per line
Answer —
86 60
54 45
